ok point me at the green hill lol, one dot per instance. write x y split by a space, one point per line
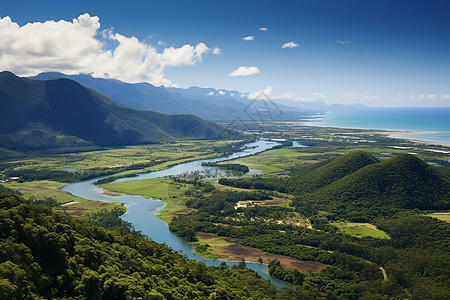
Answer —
61 113
403 182
321 174
48 255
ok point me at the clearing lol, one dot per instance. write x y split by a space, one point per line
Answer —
360 230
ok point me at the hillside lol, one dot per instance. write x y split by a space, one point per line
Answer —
403 182
321 174
61 113
51 255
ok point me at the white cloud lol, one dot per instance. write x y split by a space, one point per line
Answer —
292 97
210 94
430 97
260 94
216 51
263 29
245 71
249 38
221 93
319 95
290 45
161 43
79 47
343 42
411 97
445 96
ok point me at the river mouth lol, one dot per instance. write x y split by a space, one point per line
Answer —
141 212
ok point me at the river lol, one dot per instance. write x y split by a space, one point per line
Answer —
142 211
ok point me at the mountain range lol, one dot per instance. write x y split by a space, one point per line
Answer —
208 103
39 114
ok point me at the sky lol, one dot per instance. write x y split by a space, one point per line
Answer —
374 52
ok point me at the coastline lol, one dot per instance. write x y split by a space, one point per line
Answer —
395 134
420 125
401 134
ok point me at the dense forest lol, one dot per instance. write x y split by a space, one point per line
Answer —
46 254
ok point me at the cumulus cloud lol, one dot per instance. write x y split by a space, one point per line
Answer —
445 96
290 45
221 93
343 42
431 97
263 28
245 71
263 94
216 51
249 38
79 47
210 94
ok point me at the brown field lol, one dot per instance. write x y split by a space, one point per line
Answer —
236 252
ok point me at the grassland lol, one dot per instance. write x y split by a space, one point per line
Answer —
69 203
441 216
360 229
271 162
157 188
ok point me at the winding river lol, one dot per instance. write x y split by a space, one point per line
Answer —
142 211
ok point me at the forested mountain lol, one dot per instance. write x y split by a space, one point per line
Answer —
321 174
50 255
402 182
39 114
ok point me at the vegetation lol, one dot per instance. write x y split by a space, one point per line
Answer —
61 113
301 208
237 169
49 255
157 188
416 242
441 216
360 229
123 161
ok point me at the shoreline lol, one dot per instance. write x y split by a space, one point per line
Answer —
397 134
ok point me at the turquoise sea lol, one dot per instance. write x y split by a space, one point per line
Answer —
432 123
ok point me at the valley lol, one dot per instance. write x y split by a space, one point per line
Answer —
249 226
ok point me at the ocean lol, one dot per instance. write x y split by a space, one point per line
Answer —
430 124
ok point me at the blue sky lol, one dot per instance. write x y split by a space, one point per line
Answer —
380 53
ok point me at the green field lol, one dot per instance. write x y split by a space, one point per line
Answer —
441 216
360 229
155 188
44 188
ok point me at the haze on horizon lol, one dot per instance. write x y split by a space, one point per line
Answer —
378 53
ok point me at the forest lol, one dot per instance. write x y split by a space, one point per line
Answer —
48 255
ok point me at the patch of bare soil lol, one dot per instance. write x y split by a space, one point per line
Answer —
238 252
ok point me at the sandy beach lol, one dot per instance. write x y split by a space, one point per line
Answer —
397 133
